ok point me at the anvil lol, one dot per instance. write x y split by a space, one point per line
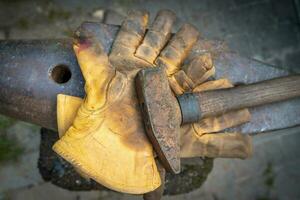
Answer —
33 72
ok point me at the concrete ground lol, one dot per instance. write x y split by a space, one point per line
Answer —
266 30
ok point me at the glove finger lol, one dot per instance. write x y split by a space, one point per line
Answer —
195 72
180 83
199 68
219 123
177 49
222 145
157 36
130 34
95 69
213 85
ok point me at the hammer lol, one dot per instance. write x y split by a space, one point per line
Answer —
163 113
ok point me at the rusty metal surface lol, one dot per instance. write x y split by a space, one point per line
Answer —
28 92
161 116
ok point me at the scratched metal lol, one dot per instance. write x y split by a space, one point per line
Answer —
27 91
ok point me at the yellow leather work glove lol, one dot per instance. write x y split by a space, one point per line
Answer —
103 137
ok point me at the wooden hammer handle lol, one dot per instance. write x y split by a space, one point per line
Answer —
213 103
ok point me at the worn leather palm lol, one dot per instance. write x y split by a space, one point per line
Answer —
103 134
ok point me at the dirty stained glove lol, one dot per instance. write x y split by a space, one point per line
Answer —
129 54
105 139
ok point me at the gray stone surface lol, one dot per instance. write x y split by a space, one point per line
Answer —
266 30
48 191
2 35
23 172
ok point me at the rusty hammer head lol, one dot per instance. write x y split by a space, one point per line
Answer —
161 115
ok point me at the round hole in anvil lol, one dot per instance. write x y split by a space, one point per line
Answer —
61 74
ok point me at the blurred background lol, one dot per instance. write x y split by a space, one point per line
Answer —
264 30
